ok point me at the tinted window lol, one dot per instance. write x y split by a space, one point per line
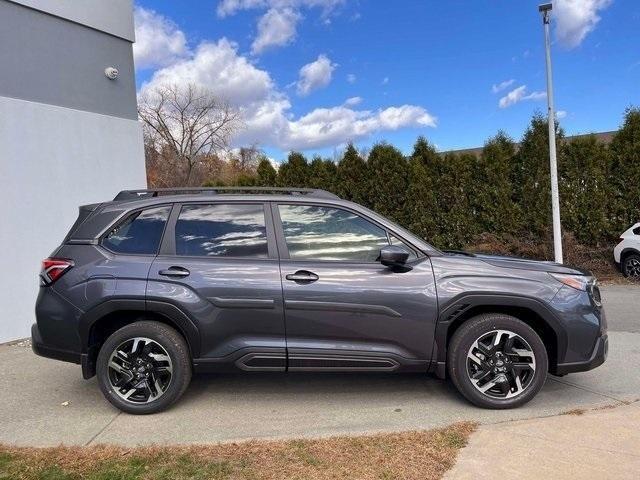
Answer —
140 233
324 233
222 231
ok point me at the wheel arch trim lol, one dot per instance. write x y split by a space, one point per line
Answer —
461 304
174 316
628 251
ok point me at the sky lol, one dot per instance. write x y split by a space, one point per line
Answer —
312 75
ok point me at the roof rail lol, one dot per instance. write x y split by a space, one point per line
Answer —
157 192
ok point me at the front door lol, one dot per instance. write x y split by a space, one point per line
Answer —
218 263
343 309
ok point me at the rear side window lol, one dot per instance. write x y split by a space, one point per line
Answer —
140 233
222 230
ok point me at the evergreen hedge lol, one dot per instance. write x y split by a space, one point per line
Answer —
450 198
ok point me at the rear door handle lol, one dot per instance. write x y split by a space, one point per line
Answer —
302 276
175 272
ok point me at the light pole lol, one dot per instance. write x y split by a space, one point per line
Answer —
545 9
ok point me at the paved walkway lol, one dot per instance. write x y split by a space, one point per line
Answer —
598 444
44 402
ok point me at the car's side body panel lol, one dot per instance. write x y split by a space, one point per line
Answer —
359 309
244 312
236 304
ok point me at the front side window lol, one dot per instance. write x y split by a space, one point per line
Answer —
140 233
326 233
222 230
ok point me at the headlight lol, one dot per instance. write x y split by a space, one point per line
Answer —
579 282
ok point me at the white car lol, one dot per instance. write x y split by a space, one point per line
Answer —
627 252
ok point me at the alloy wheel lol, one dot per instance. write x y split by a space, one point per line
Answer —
632 267
140 370
501 364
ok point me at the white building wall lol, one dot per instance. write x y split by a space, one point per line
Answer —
53 159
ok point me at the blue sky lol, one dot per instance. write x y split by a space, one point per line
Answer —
313 74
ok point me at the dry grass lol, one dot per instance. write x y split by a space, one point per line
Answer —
575 411
599 260
407 455
609 406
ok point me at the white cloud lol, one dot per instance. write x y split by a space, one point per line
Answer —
331 126
266 110
351 78
275 29
575 19
278 26
353 101
217 66
560 114
159 41
519 94
495 88
231 7
314 75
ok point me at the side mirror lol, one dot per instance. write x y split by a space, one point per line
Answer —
393 256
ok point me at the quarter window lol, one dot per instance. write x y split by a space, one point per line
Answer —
222 230
325 233
140 233
396 241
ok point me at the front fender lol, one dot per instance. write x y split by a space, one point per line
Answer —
465 302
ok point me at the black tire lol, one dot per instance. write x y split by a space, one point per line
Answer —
176 348
479 327
631 266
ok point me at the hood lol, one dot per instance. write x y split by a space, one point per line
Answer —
524 263
529 264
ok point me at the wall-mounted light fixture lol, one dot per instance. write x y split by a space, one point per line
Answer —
111 73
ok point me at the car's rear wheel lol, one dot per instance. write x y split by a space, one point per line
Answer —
631 266
144 367
497 361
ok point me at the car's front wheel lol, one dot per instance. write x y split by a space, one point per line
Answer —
631 266
497 361
144 367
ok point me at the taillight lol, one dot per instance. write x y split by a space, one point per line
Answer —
53 269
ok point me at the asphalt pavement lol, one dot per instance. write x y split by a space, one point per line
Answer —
44 402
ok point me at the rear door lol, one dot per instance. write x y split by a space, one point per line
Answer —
218 263
343 309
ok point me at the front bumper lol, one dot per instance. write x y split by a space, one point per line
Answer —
597 358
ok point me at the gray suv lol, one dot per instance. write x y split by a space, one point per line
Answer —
157 284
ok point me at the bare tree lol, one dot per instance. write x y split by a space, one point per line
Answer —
245 160
187 130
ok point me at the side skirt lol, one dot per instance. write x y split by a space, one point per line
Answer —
309 360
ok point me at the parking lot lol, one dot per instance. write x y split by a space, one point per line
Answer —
45 402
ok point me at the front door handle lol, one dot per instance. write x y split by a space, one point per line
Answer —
175 272
302 276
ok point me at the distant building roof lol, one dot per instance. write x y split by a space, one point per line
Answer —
604 137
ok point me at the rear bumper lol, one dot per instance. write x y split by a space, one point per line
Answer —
43 350
597 358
